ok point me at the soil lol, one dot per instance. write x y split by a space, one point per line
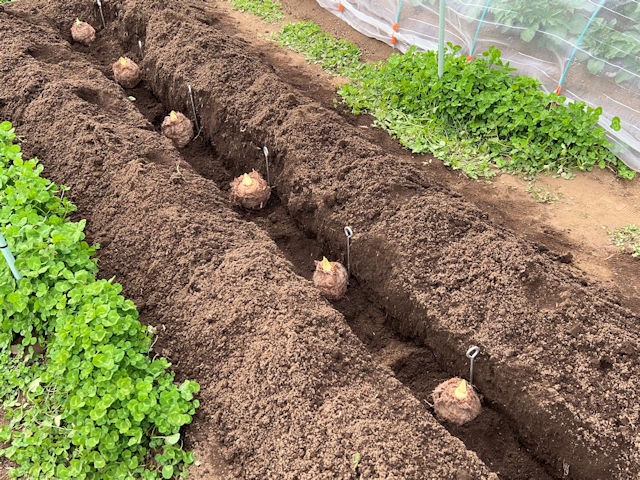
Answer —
288 390
490 436
588 207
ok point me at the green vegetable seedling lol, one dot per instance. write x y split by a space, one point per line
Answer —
356 461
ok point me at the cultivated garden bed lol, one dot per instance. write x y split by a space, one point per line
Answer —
287 391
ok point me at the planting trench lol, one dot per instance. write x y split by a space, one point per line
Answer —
490 436
287 390
559 353
292 242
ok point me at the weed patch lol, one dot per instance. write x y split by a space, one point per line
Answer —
94 406
335 56
269 10
628 239
479 117
542 195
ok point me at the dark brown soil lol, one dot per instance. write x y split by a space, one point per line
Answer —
289 392
572 225
490 436
554 345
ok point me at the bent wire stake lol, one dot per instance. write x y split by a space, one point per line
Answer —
104 25
8 256
265 150
348 233
140 47
193 106
472 353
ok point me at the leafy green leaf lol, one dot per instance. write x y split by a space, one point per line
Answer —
167 471
623 76
172 439
595 65
528 34
615 123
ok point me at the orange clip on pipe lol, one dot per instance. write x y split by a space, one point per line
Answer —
341 8
558 90
394 40
395 27
469 58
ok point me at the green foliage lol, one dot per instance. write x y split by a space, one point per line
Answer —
336 56
621 46
479 117
628 239
504 121
269 10
606 39
542 195
549 15
356 461
94 406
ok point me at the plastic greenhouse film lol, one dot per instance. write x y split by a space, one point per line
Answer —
587 50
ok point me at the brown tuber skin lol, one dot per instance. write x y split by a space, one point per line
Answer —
331 279
126 72
82 32
178 129
456 401
250 191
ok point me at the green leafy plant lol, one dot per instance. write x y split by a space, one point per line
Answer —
506 118
479 117
542 195
94 406
606 40
628 239
621 46
356 461
268 10
336 56
549 15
